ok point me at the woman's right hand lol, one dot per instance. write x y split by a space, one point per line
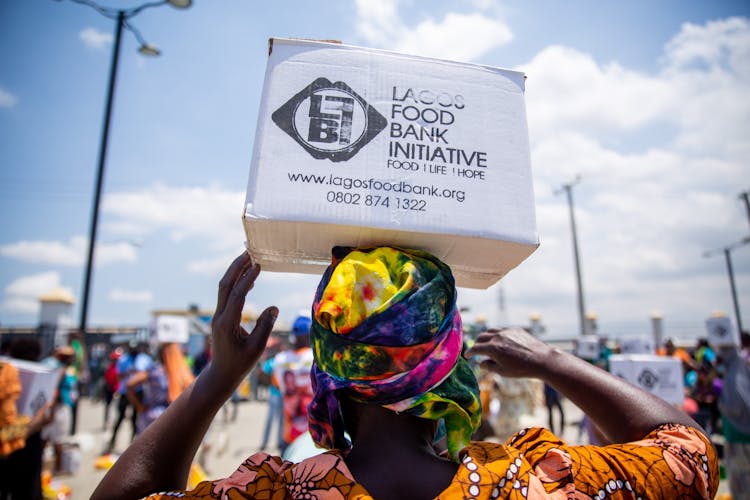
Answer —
512 352
235 351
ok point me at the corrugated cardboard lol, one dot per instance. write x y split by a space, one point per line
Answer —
38 384
659 375
720 332
362 147
587 347
637 345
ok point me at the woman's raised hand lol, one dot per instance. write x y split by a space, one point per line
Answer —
511 352
235 351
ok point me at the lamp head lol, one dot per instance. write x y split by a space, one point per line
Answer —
180 4
149 50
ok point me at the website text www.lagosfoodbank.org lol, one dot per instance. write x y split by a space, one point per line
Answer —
385 187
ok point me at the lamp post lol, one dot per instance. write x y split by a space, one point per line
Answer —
744 197
568 189
122 20
730 271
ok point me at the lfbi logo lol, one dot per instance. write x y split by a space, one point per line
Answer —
329 120
648 379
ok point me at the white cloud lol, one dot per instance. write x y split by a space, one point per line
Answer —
70 253
717 44
121 295
211 213
22 295
7 100
704 106
212 266
95 39
662 157
458 36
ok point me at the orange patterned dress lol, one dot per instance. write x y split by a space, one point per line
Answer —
12 426
673 461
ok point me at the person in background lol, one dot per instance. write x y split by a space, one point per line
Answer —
517 399
291 370
552 400
704 354
160 384
57 431
275 414
202 359
154 392
136 360
79 371
20 436
734 404
111 383
669 349
386 338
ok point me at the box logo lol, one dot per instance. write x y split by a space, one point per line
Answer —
648 379
329 120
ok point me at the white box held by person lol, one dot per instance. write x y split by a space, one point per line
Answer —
362 147
38 384
659 375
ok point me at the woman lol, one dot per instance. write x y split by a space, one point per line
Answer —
387 337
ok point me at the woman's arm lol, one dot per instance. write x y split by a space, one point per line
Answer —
620 410
160 458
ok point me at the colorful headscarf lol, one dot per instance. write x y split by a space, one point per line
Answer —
386 331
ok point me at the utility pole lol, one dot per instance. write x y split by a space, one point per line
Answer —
568 189
744 196
727 251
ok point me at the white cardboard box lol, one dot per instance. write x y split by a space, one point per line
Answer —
659 375
637 345
38 385
720 332
170 328
587 347
363 147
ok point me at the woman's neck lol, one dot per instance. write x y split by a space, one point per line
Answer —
397 447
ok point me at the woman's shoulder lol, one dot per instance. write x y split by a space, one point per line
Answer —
269 476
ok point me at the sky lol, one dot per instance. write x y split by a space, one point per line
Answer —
648 102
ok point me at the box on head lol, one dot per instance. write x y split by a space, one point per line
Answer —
363 147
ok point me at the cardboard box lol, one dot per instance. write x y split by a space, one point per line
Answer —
38 384
637 345
587 347
167 328
720 332
362 147
659 375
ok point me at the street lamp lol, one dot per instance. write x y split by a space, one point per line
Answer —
744 197
728 257
122 20
568 189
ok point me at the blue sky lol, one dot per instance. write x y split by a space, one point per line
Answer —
648 101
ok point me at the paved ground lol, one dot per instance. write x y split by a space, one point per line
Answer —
233 441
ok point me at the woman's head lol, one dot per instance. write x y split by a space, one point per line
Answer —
386 331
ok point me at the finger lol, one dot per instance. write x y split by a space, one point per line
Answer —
486 336
227 281
478 349
263 327
235 301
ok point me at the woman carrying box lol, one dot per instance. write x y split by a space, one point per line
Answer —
388 367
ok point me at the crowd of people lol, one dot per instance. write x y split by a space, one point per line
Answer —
380 376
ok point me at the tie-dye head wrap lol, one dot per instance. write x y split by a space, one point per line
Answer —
386 331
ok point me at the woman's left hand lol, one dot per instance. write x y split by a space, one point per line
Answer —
235 351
